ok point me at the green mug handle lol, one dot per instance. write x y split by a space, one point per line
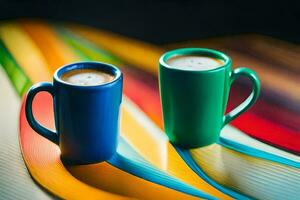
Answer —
244 106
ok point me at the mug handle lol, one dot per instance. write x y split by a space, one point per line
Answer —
244 106
40 129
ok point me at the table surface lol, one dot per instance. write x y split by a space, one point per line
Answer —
269 57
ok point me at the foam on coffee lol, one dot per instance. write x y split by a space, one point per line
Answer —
87 77
194 62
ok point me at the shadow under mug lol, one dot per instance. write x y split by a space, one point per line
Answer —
194 102
86 117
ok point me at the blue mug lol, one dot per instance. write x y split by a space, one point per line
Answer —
86 117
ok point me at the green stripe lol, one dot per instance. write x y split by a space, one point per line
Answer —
85 49
16 75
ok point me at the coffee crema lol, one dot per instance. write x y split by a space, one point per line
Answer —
87 77
194 62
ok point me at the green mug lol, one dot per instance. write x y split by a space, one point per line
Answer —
194 102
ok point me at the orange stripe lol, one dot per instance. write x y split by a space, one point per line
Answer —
56 52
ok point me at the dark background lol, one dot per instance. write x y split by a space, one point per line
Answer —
168 20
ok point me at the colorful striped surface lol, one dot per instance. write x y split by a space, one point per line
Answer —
30 52
280 86
200 183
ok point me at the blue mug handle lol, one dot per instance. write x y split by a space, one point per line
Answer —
40 129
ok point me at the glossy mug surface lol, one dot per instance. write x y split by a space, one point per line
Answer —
86 116
194 100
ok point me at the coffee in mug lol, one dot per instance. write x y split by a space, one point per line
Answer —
194 62
87 77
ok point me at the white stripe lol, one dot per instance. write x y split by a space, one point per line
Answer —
236 135
15 180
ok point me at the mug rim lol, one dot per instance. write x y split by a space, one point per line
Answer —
195 51
109 68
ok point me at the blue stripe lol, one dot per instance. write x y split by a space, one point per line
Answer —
129 161
186 156
244 149
257 153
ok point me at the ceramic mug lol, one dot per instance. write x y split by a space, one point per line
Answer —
86 117
194 102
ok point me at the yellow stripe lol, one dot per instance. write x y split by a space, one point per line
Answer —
25 52
149 141
134 52
56 52
111 179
